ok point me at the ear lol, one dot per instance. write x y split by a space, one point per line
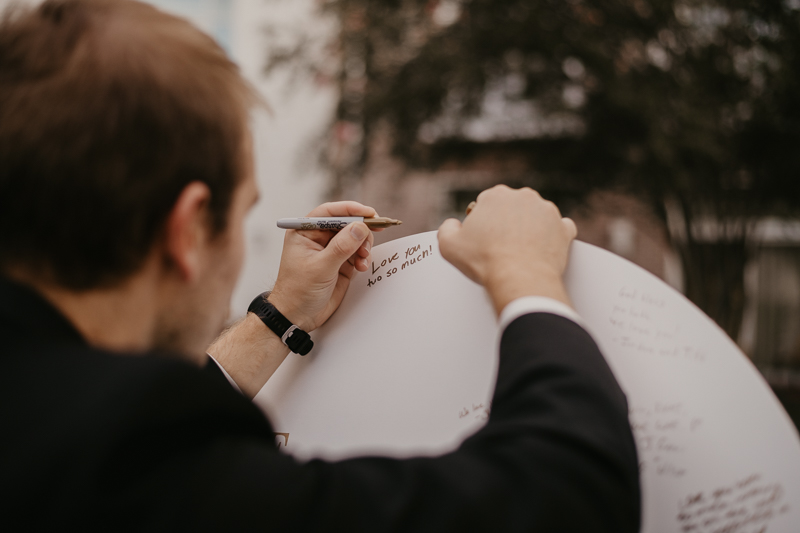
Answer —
186 231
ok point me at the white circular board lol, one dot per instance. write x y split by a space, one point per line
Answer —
407 364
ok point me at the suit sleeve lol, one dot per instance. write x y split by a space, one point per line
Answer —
557 455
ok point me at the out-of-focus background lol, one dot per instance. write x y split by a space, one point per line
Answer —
668 129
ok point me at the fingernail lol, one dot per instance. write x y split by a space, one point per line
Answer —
358 232
367 246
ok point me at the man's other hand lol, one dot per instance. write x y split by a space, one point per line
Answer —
514 243
317 266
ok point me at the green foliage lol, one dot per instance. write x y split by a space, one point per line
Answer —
691 99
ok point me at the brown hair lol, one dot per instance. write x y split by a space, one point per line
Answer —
108 109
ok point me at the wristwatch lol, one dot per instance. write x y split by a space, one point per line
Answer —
291 335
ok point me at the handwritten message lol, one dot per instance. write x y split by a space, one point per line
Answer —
663 432
398 262
477 411
747 505
640 322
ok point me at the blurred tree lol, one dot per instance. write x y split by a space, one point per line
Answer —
691 104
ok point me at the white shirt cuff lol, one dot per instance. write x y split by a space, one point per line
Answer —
536 304
225 372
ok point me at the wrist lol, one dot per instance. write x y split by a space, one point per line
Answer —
290 334
288 309
255 330
506 285
250 353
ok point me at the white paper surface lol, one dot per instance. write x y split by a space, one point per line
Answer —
407 365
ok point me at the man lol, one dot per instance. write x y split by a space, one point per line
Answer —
125 177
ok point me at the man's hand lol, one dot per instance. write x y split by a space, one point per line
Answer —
317 266
514 243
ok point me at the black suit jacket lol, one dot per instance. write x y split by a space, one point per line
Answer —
147 442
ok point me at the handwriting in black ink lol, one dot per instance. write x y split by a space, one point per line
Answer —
385 270
747 505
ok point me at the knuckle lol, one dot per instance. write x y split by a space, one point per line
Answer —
527 194
533 193
553 207
496 189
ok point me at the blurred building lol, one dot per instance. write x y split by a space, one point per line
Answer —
772 318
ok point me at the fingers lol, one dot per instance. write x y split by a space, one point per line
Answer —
457 249
337 209
447 232
361 259
447 236
492 191
347 270
343 209
347 245
500 191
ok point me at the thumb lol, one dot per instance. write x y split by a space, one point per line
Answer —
344 244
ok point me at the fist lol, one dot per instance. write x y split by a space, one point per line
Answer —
514 243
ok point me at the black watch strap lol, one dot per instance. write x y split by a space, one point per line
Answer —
292 336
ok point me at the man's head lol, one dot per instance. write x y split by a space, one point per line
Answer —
125 170
108 110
